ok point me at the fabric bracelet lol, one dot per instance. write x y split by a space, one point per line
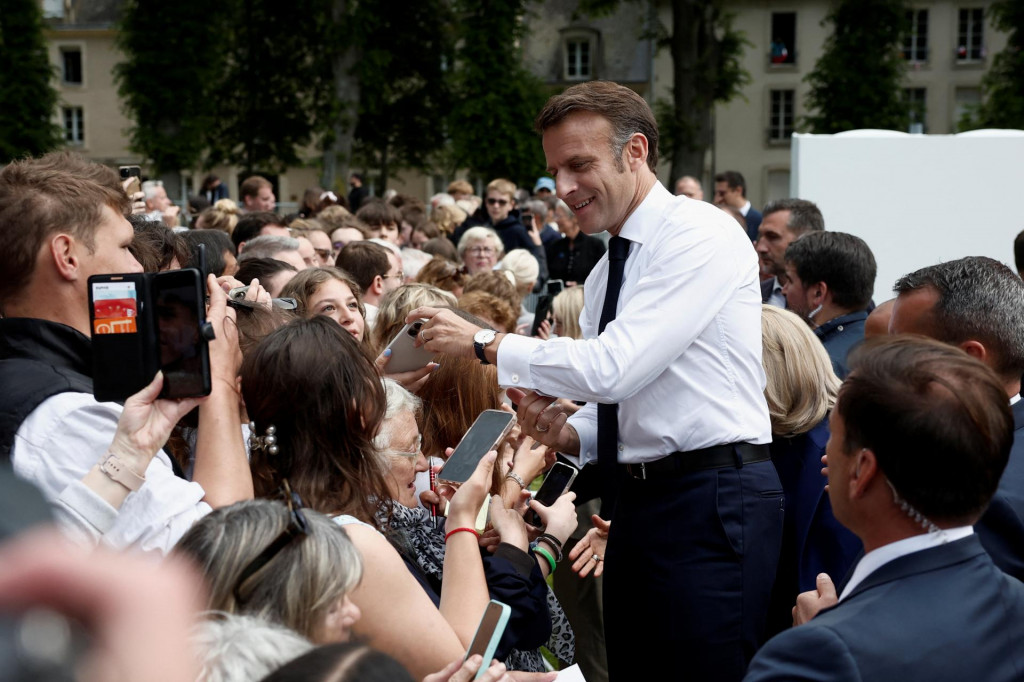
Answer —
460 530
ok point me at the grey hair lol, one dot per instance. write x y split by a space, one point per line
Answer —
480 233
980 299
804 215
537 208
268 246
234 648
149 188
225 541
564 208
399 400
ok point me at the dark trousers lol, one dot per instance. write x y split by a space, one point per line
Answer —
690 564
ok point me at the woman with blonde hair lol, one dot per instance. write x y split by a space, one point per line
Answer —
801 390
396 306
566 308
480 249
222 216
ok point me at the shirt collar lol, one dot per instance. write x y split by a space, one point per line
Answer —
877 558
645 218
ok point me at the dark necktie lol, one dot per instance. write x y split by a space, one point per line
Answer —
608 415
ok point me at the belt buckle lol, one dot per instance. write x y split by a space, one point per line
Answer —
641 468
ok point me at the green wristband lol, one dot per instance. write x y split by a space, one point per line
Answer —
547 555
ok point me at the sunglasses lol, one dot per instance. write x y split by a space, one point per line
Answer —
296 530
497 202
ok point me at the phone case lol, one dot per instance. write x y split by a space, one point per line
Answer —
496 633
404 356
123 343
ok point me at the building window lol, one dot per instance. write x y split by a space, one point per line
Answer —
969 35
914 100
74 125
915 45
966 101
577 58
780 120
783 47
71 65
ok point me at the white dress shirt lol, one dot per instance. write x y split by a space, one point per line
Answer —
876 558
682 357
61 441
745 210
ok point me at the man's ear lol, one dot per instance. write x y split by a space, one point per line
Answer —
377 285
976 349
636 151
819 293
865 469
63 255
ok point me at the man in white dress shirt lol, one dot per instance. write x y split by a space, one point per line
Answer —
670 368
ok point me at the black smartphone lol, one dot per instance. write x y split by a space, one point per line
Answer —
133 172
555 287
526 218
145 322
180 310
558 480
482 437
542 312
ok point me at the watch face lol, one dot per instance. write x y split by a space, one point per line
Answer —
484 336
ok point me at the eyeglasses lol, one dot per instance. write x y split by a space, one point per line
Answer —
297 529
481 251
497 202
414 453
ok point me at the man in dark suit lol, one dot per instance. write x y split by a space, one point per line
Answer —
784 220
977 304
731 190
920 435
829 280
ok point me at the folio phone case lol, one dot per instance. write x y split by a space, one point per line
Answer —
123 335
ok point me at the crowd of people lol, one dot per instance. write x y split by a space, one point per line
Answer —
778 477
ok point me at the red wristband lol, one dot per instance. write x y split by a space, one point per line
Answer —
459 530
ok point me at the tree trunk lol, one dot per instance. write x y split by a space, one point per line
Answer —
338 155
692 42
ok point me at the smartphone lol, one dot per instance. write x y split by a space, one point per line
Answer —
488 634
555 287
405 357
526 218
483 436
558 480
179 306
135 174
142 323
542 312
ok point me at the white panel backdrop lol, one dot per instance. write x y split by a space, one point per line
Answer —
916 199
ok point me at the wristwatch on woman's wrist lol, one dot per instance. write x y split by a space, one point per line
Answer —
120 472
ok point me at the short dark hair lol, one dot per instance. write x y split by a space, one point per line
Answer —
733 179
216 243
842 261
625 110
252 185
804 215
1018 252
980 299
262 269
936 419
375 213
155 245
364 261
250 224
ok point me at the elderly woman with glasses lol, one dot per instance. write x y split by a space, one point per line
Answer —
480 249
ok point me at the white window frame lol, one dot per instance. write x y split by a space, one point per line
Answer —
74 126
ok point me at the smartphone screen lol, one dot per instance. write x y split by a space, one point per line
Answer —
179 307
489 632
490 427
559 478
121 352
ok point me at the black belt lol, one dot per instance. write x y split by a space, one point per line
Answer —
714 457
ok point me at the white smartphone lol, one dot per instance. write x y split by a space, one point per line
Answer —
405 357
488 634
483 436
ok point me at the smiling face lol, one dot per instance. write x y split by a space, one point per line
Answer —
405 459
600 189
479 256
335 300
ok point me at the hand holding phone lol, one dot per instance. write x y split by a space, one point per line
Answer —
483 436
558 480
405 355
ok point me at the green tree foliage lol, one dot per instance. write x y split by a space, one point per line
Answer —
495 97
1003 86
858 81
175 59
404 86
706 53
27 96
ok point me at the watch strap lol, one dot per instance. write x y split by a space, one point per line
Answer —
118 471
478 348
